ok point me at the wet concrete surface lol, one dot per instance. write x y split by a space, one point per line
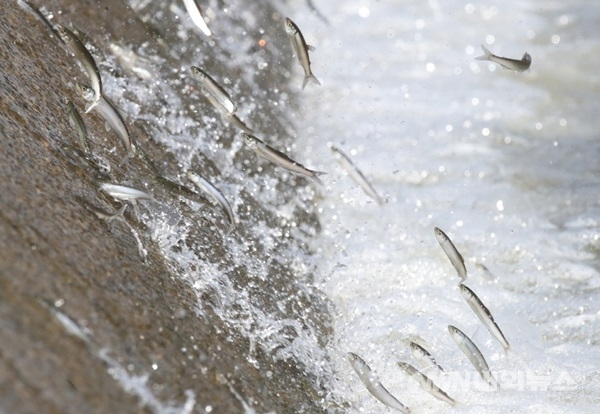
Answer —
132 319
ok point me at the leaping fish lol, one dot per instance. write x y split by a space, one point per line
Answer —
455 257
421 354
426 383
301 49
221 97
471 351
513 64
216 195
110 115
87 61
121 192
374 386
279 158
194 12
483 314
357 175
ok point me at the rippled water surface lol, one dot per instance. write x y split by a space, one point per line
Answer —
505 163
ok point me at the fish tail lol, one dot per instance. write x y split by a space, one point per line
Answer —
316 175
310 77
486 54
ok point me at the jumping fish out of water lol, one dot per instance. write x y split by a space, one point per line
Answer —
133 62
194 12
301 49
279 158
215 194
87 61
455 257
78 124
219 99
374 386
483 314
357 175
210 86
426 383
513 64
121 192
421 354
471 351
110 115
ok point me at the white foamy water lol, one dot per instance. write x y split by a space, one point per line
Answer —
505 163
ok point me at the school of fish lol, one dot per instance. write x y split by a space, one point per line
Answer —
221 100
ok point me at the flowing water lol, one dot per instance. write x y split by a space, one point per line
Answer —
505 163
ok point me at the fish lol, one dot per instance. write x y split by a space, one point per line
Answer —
224 103
513 64
357 175
455 257
215 194
426 383
301 49
374 386
77 122
133 62
121 192
196 16
483 314
107 111
279 158
474 354
87 61
421 354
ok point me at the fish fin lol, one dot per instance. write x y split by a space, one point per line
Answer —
486 54
312 78
311 48
91 105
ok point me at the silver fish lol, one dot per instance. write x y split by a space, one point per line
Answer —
426 383
279 158
235 120
121 192
225 103
110 115
301 49
474 354
194 12
513 64
77 122
374 386
455 257
483 314
421 354
215 194
357 175
133 62
87 61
